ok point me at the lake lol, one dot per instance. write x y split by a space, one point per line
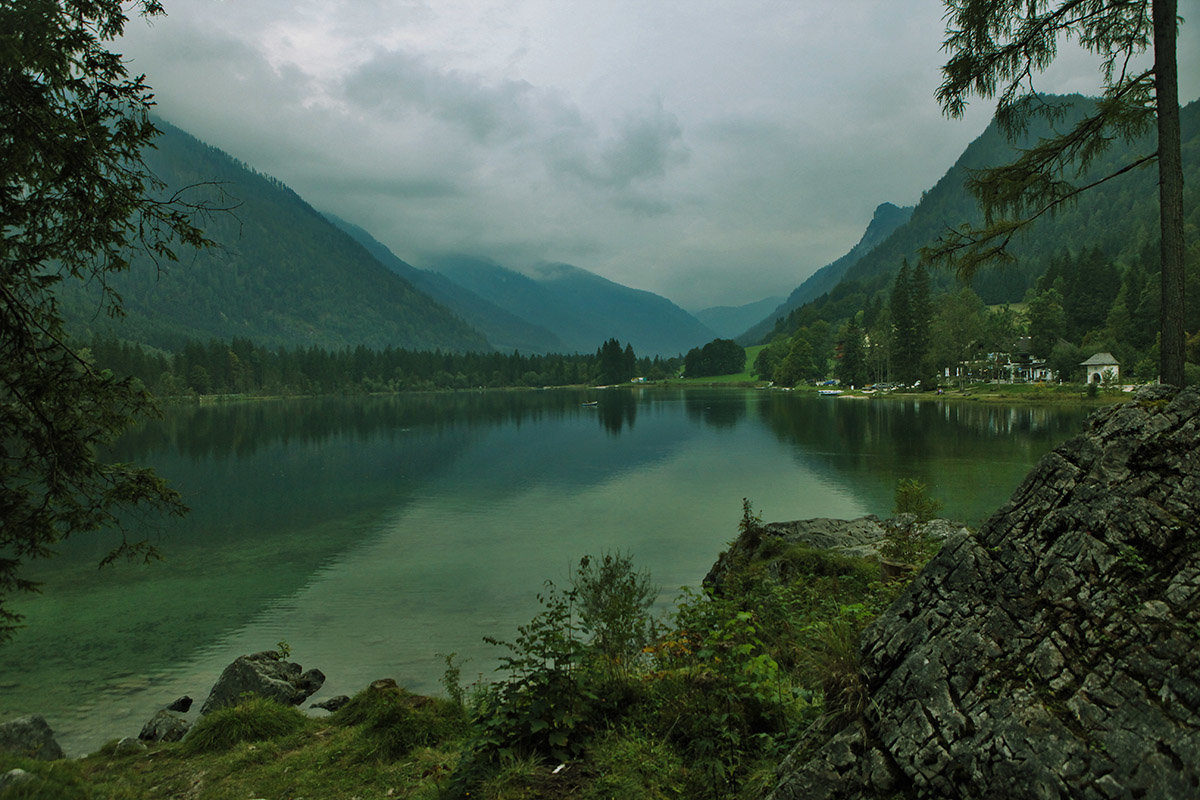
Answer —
374 535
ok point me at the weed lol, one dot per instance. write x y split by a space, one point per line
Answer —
1131 558
452 679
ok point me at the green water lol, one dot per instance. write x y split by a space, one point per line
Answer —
373 534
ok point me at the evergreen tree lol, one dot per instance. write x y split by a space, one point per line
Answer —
910 314
852 366
995 48
612 364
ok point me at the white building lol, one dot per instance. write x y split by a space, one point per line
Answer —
1101 367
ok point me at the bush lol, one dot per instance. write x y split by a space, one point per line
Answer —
719 696
255 719
614 601
912 497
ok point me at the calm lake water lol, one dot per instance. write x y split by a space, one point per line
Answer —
374 534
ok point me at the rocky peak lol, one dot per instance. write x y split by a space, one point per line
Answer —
1055 653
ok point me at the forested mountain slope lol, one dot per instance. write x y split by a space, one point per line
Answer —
506 331
886 219
281 275
583 309
1117 219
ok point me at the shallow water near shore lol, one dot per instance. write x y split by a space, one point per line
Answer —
374 535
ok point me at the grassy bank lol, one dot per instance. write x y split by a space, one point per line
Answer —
600 699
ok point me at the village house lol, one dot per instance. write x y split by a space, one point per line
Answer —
1101 367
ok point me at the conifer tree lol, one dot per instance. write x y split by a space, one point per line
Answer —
996 47
852 367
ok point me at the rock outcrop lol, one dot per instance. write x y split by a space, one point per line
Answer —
1054 654
859 538
264 674
31 737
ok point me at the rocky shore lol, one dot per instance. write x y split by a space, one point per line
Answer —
1053 654
267 674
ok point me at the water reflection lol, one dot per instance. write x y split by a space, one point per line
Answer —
971 455
717 410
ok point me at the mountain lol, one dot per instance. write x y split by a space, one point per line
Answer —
1117 218
581 308
281 274
729 321
886 219
506 331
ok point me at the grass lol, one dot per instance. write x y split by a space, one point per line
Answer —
742 377
261 749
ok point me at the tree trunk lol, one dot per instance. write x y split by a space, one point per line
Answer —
1170 191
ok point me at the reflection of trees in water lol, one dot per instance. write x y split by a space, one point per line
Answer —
884 434
717 409
243 428
616 410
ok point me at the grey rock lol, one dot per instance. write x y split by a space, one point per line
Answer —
129 745
182 705
1057 653
859 538
31 737
266 675
165 726
333 703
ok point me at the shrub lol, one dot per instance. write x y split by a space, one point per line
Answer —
719 695
614 601
912 497
255 719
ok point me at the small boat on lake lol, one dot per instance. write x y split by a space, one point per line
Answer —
829 392
590 403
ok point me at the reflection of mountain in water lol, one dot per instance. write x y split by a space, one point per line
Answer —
278 489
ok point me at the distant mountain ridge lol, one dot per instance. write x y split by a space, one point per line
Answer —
886 219
281 274
505 331
730 321
581 308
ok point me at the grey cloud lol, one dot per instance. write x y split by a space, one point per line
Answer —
642 150
397 84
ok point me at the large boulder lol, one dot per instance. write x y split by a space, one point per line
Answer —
264 674
30 737
1055 654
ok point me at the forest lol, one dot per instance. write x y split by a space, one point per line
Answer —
1083 304
243 367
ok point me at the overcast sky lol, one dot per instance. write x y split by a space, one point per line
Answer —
715 152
